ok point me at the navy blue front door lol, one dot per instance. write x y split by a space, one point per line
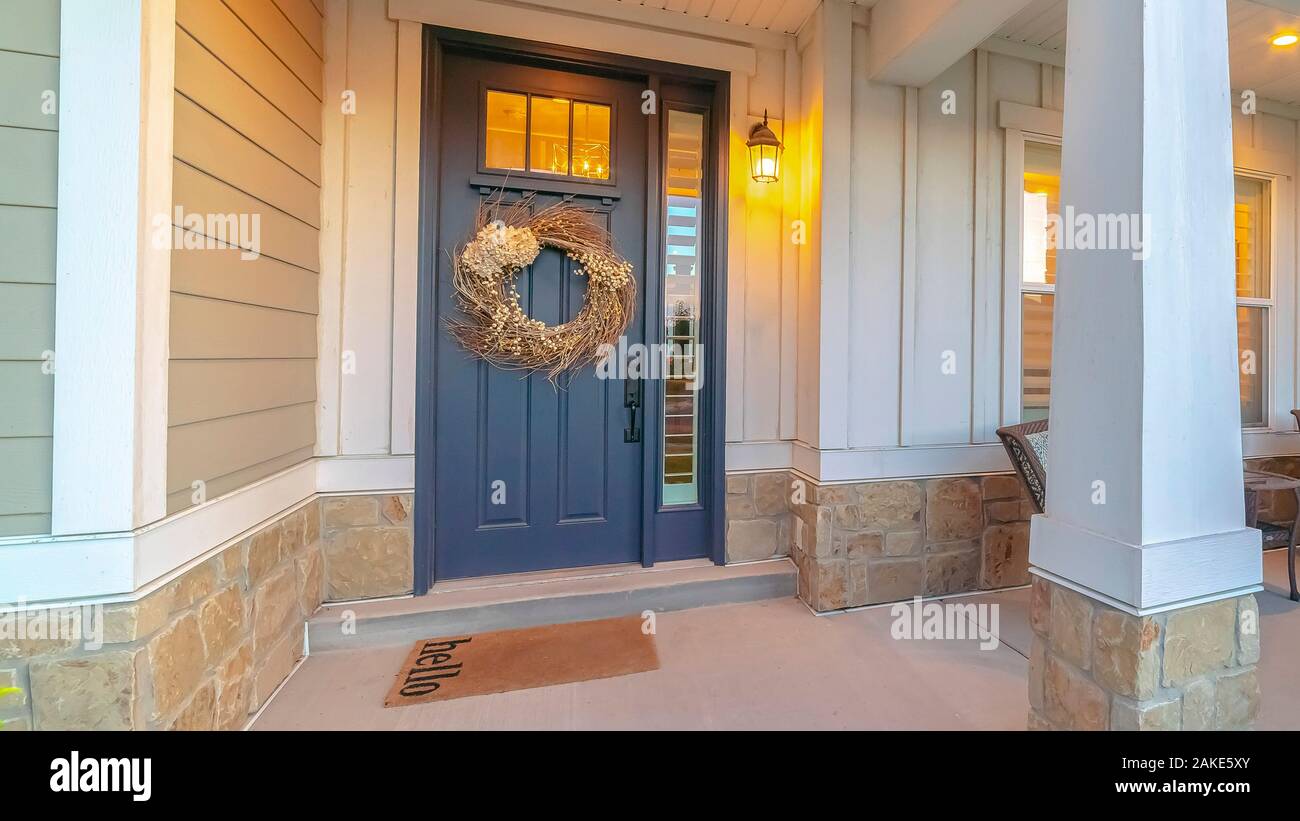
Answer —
528 477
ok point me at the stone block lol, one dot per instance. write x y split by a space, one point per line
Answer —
830 585
1199 640
234 686
396 508
311 521
737 484
1037 665
1236 700
311 581
832 495
177 661
1005 551
1040 606
130 621
293 533
1071 630
200 713
856 594
368 562
1002 512
739 507
947 573
1198 705
752 539
221 622
1071 700
98 692
890 505
1000 487
232 562
275 609
904 543
275 667
771 493
351 511
1129 715
264 553
1126 653
954 510
862 546
895 580
194 586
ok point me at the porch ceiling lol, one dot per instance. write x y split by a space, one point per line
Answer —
1272 73
780 16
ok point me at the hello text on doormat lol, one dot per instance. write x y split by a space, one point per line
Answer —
439 669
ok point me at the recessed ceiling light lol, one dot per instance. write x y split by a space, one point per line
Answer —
1286 39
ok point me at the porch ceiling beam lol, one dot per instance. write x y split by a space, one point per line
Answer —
912 41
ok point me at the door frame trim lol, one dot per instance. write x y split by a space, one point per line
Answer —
436 40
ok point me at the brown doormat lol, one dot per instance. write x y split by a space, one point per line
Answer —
475 665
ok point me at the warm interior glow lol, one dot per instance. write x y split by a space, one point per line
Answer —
1286 38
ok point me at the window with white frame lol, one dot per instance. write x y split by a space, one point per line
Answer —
1041 190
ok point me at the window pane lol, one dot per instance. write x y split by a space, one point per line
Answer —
505 130
549 135
1035 356
1252 346
591 141
1251 235
682 214
1042 195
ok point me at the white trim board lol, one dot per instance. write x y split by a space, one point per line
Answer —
1142 579
562 28
128 565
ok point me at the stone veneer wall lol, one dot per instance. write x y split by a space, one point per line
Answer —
1093 667
877 542
203 652
207 649
369 547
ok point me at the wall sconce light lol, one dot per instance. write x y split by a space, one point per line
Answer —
764 152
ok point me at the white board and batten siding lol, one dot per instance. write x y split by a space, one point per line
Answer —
29 82
242 375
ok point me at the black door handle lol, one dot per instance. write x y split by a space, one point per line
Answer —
632 401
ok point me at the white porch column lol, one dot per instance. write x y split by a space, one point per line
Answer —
1145 501
1141 606
113 281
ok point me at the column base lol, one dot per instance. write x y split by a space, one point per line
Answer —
1095 667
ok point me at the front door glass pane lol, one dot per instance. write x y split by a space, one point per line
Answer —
682 220
591 141
507 128
549 135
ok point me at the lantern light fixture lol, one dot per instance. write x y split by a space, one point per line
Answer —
764 152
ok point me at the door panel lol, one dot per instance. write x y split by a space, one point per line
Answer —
529 476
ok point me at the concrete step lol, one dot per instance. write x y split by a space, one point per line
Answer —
549 597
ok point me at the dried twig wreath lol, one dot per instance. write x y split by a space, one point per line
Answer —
509 237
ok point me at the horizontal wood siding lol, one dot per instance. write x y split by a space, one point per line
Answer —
242 378
29 147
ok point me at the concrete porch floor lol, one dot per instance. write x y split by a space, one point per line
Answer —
765 665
